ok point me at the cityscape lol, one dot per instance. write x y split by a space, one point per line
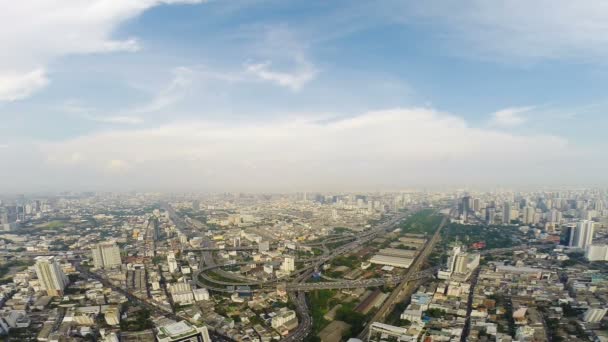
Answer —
303 171
402 266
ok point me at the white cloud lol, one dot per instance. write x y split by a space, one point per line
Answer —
169 95
127 120
509 117
398 147
292 80
16 86
36 32
520 30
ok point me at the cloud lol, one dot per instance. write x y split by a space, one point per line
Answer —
16 86
172 93
126 120
284 56
375 150
513 31
294 80
38 32
509 117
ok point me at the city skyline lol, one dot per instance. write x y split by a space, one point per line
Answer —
256 96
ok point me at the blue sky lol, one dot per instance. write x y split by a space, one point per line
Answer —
302 95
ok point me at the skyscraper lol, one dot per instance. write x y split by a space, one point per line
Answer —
452 258
529 215
582 235
506 213
106 255
490 213
466 206
172 261
50 275
289 264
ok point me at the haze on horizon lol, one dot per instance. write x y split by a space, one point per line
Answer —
303 95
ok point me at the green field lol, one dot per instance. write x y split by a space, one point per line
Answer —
422 222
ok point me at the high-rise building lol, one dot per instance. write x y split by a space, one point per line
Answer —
466 207
106 255
490 214
506 213
582 235
460 265
597 253
476 205
529 215
172 261
554 216
452 258
51 277
289 264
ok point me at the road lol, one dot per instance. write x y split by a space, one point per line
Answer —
467 324
299 298
400 292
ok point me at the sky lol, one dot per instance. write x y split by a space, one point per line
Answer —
254 95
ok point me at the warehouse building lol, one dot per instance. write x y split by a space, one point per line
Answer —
391 261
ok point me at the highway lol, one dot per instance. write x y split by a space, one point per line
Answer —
353 284
297 286
404 288
299 298
315 263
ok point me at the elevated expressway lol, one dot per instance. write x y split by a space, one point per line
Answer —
208 264
407 284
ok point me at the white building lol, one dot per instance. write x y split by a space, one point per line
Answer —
106 255
263 246
112 315
391 261
181 293
529 215
289 264
283 318
594 315
183 331
201 294
173 266
597 253
582 235
51 277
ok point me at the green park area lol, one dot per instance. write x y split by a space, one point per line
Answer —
53 225
422 222
321 302
493 236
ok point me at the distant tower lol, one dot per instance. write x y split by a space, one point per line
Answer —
490 213
529 215
466 207
506 213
